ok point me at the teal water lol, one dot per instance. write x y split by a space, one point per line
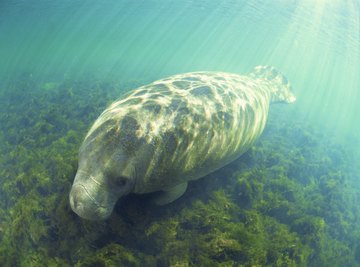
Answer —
315 44
62 62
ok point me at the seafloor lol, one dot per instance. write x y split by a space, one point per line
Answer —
292 200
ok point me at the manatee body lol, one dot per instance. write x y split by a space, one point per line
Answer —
162 135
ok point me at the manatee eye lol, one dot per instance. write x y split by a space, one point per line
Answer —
120 181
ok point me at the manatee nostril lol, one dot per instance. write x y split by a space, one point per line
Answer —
75 198
73 202
86 206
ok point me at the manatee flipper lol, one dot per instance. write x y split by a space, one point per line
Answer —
170 194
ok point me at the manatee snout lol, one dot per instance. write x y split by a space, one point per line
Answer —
87 206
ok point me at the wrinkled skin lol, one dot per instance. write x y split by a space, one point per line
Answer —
162 135
104 175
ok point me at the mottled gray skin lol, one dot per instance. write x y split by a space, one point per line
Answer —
162 135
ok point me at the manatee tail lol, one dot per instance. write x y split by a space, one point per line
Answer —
279 85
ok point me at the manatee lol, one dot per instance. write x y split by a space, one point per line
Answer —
160 136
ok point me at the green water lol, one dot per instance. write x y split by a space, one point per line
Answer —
291 200
315 44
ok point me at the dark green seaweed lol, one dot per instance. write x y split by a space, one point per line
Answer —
290 201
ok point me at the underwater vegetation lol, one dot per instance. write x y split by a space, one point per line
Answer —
290 201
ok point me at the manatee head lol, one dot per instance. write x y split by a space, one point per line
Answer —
105 172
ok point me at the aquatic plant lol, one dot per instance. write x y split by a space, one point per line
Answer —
289 201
